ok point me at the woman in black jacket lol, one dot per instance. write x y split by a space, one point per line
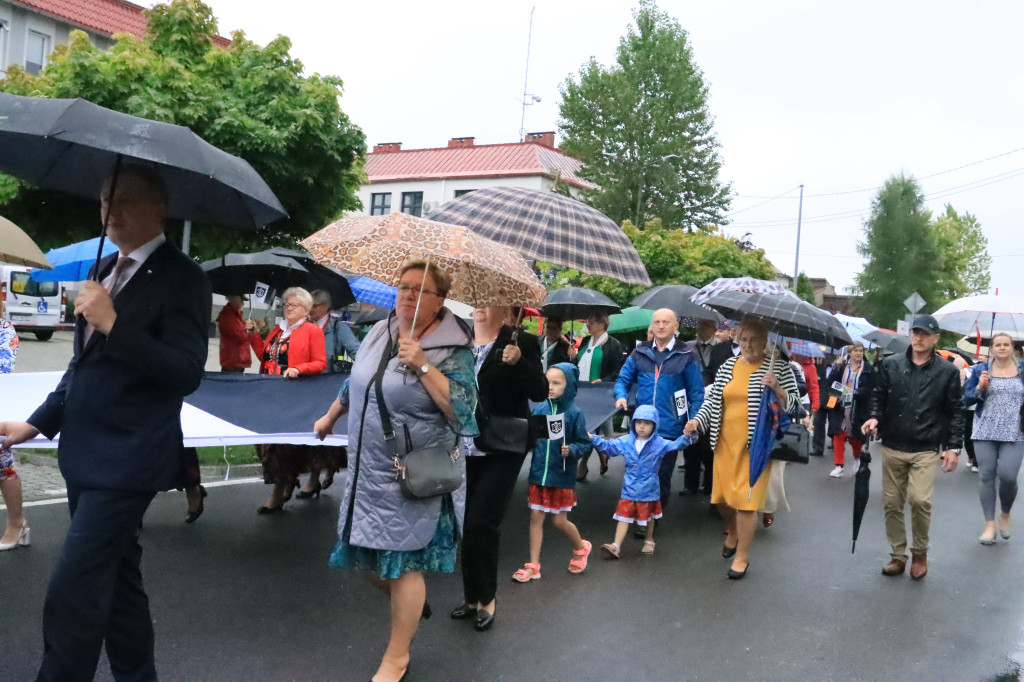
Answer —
846 396
599 358
509 375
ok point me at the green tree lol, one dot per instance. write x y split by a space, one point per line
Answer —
963 252
643 130
248 100
804 288
673 257
901 253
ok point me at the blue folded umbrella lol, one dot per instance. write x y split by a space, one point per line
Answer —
71 263
772 421
371 291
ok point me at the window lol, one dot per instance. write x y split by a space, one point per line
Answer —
5 32
36 48
412 203
22 283
462 192
380 203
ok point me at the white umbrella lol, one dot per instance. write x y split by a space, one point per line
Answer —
985 314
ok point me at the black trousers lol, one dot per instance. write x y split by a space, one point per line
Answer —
818 439
697 455
665 471
490 480
95 596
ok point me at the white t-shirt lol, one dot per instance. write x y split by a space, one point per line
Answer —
640 443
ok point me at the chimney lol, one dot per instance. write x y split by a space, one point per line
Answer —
546 139
460 142
385 147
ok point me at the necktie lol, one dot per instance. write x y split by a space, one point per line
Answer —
114 285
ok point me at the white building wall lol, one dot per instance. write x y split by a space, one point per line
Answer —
436 192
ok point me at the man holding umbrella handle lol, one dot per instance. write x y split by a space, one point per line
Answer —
140 347
916 407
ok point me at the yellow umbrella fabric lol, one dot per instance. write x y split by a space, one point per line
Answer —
17 248
483 272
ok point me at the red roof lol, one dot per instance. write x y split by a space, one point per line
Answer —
100 16
481 161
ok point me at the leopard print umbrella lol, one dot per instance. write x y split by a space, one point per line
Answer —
483 272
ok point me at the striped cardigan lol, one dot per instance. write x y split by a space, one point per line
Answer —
709 417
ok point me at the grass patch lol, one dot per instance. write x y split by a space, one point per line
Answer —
236 454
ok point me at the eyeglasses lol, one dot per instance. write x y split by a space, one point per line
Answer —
415 288
286 306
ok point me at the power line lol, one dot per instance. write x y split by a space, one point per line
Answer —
877 187
771 199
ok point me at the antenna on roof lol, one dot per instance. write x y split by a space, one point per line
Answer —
528 99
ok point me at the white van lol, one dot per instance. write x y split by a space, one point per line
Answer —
36 307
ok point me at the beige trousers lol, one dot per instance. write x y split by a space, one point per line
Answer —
908 477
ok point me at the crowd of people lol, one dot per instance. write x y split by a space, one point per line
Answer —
484 396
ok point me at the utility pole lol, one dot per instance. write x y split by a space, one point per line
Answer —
526 80
799 218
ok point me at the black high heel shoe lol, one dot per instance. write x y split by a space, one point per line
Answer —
309 494
270 510
728 552
191 516
738 575
328 481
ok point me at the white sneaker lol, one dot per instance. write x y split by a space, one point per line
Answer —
837 472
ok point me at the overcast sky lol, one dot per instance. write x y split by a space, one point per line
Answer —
836 96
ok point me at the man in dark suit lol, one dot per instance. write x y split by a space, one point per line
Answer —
140 347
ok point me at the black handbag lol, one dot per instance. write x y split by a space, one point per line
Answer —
423 472
792 446
504 434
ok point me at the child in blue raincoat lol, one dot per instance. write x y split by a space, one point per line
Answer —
640 502
553 470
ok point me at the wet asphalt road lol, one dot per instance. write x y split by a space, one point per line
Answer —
242 597
239 597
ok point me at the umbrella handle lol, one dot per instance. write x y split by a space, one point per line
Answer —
106 218
416 313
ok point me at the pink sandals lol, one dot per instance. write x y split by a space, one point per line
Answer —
527 573
579 563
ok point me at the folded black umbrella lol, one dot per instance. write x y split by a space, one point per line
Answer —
860 494
576 303
73 146
784 315
676 297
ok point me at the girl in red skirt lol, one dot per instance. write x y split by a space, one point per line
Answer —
641 490
553 470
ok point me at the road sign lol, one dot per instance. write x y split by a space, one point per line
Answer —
914 302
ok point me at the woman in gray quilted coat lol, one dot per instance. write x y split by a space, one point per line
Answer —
429 390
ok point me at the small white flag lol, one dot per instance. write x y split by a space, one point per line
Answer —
260 294
556 426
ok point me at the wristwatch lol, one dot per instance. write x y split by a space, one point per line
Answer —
424 369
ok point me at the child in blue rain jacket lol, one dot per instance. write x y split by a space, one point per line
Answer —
643 449
553 470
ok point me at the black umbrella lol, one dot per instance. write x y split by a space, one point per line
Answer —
575 303
238 273
785 315
888 342
73 146
332 280
370 316
860 494
676 297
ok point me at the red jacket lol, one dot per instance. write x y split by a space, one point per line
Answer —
306 351
813 389
234 344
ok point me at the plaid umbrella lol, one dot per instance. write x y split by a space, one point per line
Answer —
549 227
483 272
371 291
785 315
676 297
750 285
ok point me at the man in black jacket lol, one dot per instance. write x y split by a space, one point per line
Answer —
140 348
916 408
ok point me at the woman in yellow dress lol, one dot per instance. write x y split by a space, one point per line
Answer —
727 418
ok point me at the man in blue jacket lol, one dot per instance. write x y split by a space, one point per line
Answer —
667 375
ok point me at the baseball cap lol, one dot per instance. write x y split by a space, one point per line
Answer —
925 323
